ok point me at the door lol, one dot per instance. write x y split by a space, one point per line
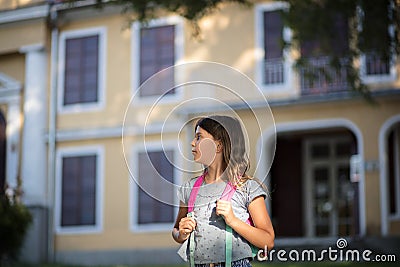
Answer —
329 193
2 154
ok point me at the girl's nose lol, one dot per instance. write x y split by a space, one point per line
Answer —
193 143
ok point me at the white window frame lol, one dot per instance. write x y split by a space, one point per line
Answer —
134 188
287 85
76 152
101 82
135 48
378 78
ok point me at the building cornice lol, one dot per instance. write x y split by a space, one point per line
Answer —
303 100
76 134
25 13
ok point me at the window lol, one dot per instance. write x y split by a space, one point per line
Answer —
274 65
338 40
79 190
157 52
273 56
81 82
154 200
158 46
150 209
319 77
376 67
81 65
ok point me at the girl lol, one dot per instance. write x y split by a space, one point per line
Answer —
219 145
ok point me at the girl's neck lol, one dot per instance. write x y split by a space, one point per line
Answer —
214 174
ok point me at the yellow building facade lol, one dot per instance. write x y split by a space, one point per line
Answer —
85 122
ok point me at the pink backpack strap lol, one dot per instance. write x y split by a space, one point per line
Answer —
228 192
193 193
250 221
226 195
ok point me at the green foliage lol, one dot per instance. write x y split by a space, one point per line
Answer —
143 10
15 219
372 26
312 20
189 9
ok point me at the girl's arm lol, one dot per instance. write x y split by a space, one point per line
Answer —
183 225
261 234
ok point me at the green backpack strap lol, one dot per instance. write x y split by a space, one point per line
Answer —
254 250
227 195
228 246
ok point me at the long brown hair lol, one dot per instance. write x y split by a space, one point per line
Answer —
228 131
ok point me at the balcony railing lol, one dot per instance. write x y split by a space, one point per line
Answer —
375 65
319 77
274 71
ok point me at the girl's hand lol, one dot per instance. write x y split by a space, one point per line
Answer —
224 208
186 226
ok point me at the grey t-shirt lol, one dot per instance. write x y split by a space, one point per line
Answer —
209 235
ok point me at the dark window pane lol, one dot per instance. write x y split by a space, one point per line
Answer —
78 205
322 198
340 36
154 166
376 65
319 151
343 149
157 52
338 41
273 28
81 70
273 56
345 208
321 177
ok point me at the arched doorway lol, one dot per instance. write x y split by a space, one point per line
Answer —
389 145
394 170
312 193
3 153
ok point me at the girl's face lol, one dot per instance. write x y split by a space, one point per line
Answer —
204 147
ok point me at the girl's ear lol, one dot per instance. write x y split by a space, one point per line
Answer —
219 146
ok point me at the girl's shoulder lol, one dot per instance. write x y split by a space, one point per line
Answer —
190 183
253 183
253 188
186 188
